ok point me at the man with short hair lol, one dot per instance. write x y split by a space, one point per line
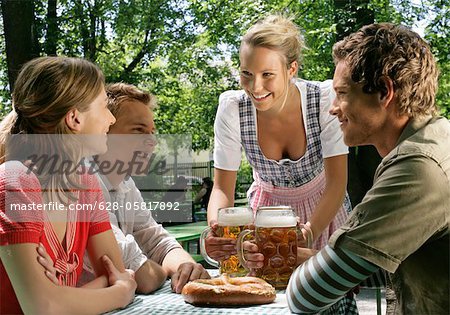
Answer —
143 241
386 81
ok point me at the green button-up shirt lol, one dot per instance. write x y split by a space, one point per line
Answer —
402 224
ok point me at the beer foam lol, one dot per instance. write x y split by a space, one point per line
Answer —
267 221
235 219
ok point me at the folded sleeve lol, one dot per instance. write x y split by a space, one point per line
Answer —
21 219
331 135
132 255
410 195
227 133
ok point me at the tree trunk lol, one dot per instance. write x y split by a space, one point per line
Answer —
84 31
350 15
52 28
92 42
18 23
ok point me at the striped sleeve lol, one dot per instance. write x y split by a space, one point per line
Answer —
324 279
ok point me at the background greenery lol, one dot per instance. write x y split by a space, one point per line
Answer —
186 51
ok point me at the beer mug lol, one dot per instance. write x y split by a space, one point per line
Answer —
276 237
231 221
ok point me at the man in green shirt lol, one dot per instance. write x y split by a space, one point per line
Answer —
386 81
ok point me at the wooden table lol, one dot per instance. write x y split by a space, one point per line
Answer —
188 232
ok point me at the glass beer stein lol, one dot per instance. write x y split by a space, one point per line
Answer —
231 221
276 237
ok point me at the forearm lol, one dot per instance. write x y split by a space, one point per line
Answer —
333 194
218 199
175 258
200 195
222 194
324 279
37 295
326 209
97 283
149 277
94 301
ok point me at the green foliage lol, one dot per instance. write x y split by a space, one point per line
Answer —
438 35
5 104
186 52
244 178
319 34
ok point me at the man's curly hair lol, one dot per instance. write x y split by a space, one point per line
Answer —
394 51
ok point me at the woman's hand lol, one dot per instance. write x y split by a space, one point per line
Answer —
254 258
219 248
45 260
124 280
303 254
305 237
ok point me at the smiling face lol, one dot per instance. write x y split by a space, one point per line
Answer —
95 122
98 118
136 120
361 115
264 76
134 117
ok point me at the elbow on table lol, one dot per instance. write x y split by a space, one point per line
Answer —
295 309
47 305
149 277
295 302
147 286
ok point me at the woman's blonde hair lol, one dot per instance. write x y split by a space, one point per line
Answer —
277 32
46 89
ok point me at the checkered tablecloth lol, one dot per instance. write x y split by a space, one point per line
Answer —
164 301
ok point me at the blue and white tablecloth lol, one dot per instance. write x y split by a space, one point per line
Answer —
164 301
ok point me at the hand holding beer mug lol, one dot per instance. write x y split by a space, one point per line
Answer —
276 238
231 222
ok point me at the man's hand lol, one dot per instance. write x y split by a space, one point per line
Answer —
45 260
186 272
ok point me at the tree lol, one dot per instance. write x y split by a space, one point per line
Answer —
20 40
438 34
362 160
186 52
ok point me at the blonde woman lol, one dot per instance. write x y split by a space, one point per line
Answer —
56 101
293 144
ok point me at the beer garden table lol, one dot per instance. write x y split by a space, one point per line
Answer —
164 301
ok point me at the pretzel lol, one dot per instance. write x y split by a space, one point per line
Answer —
228 291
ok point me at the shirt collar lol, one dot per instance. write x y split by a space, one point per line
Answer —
122 188
413 125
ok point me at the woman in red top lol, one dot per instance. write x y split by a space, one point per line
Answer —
57 102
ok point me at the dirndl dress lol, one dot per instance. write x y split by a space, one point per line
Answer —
299 184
